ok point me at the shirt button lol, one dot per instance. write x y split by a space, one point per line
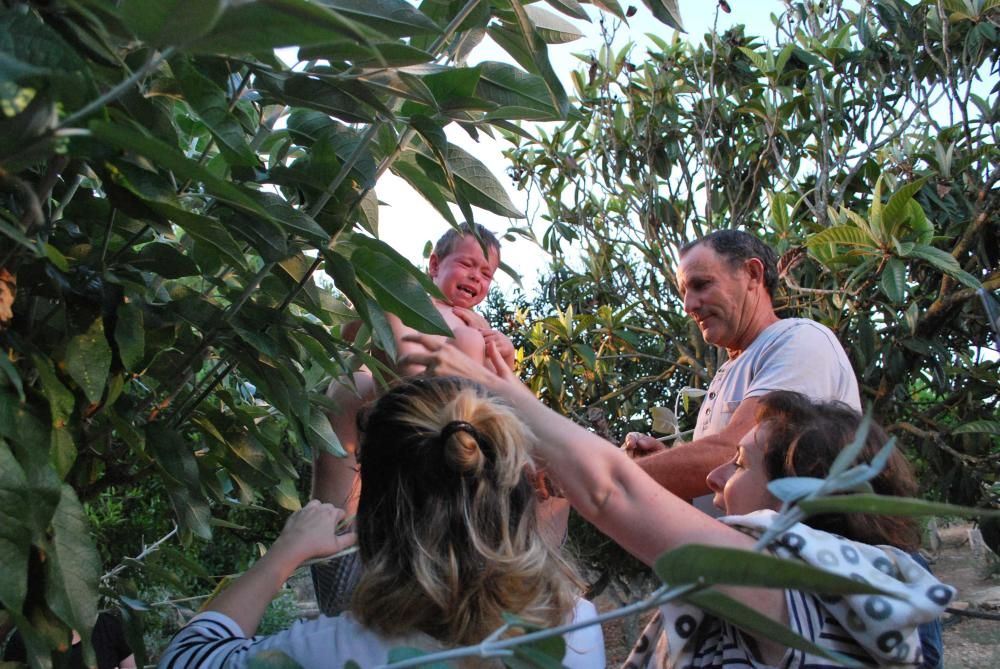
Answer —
708 412
711 395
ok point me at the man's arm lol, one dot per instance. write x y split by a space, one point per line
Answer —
682 469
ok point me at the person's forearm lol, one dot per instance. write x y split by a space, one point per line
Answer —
683 469
249 596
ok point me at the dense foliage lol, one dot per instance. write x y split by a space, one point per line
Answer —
168 188
861 142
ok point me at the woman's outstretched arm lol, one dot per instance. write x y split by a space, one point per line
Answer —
310 532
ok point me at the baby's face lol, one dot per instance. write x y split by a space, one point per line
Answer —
464 275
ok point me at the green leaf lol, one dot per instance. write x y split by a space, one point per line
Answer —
382 54
15 536
571 8
168 22
261 27
165 260
321 436
167 157
398 292
847 235
478 185
552 28
31 50
666 11
61 402
287 496
88 359
177 463
895 212
748 619
392 18
520 95
204 230
697 563
379 246
130 336
794 488
945 262
73 567
211 105
893 280
11 373
890 505
407 168
979 427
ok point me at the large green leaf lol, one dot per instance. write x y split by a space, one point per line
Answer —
407 168
536 58
398 292
30 50
667 12
173 455
206 231
477 184
170 22
552 28
321 436
88 359
265 25
942 260
571 8
893 280
61 402
518 94
73 567
896 209
130 336
392 18
890 506
749 620
211 105
322 94
847 235
379 246
165 156
382 54
15 537
696 563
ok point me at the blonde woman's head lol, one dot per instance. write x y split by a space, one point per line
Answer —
446 522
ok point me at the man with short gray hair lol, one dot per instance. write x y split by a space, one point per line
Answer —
728 280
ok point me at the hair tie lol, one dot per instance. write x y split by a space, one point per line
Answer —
459 426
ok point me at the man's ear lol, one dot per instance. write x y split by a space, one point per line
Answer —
433 264
755 268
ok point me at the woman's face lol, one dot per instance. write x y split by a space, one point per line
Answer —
740 485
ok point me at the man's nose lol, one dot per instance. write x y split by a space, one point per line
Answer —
689 303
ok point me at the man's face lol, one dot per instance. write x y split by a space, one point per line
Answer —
720 298
464 275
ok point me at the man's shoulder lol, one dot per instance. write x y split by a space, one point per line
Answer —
795 329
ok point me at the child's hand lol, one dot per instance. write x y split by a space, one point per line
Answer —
503 345
311 532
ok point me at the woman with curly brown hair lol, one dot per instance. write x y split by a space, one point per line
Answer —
448 541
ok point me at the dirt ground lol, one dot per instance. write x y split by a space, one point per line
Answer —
969 643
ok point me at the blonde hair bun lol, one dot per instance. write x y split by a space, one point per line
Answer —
463 447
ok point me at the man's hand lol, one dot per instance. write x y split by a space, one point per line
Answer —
638 445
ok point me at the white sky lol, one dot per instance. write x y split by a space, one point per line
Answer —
407 222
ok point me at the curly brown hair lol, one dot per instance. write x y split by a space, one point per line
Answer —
805 436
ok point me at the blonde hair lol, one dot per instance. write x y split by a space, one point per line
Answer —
446 521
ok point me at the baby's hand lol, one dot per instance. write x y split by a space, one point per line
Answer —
311 532
503 345
471 318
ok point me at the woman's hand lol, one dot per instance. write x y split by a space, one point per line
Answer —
311 532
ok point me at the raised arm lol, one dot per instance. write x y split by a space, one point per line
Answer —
310 532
